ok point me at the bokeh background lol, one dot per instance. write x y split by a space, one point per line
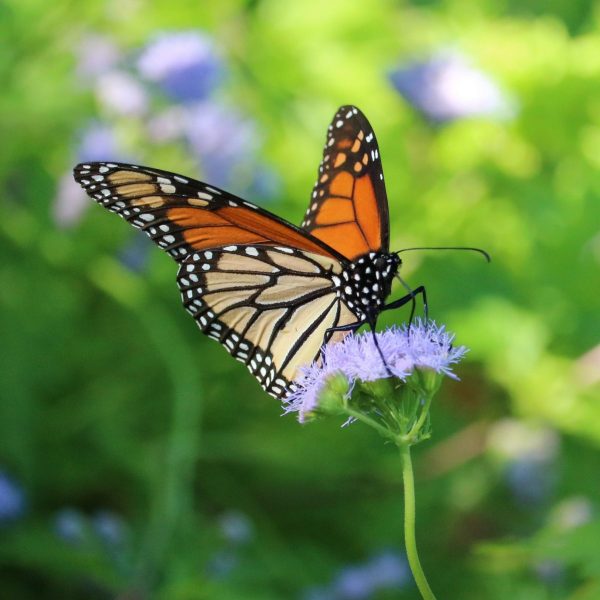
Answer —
137 460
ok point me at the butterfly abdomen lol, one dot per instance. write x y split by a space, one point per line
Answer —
366 282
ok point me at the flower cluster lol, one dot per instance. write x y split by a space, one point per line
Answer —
163 95
357 359
446 87
382 572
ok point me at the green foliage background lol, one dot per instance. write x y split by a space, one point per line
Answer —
112 400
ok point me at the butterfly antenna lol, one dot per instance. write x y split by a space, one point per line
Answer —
487 257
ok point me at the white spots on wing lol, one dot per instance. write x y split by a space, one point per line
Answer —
111 165
331 142
380 175
193 276
169 239
285 250
336 280
230 248
348 114
339 123
105 192
232 203
212 189
348 289
98 177
369 137
147 217
103 170
208 255
190 268
250 205
167 188
164 227
163 180
180 179
206 267
204 196
251 251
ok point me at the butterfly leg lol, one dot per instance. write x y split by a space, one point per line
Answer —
348 327
373 324
410 297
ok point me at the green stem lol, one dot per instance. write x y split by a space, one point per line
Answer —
409 524
384 431
411 435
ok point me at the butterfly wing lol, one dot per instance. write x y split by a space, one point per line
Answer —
183 215
269 306
349 208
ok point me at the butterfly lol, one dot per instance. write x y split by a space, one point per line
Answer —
270 292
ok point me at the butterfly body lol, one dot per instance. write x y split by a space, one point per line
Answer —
270 292
366 283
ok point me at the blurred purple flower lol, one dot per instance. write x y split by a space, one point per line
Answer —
12 500
167 125
222 564
390 569
70 202
110 528
528 453
223 140
96 54
531 481
184 64
121 94
356 357
71 526
236 527
97 141
385 571
446 87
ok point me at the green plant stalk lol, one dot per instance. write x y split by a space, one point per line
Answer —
409 523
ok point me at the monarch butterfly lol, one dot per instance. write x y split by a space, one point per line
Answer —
270 292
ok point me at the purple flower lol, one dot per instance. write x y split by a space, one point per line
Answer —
96 54
110 528
121 94
97 141
12 500
426 346
224 142
385 571
71 526
236 527
446 87
184 64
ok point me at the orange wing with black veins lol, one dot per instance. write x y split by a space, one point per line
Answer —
349 208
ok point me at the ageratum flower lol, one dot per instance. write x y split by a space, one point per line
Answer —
356 359
12 500
446 87
225 143
184 64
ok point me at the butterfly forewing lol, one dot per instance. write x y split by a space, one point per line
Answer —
183 215
349 209
269 306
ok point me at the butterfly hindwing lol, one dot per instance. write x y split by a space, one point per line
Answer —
349 208
269 306
183 215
